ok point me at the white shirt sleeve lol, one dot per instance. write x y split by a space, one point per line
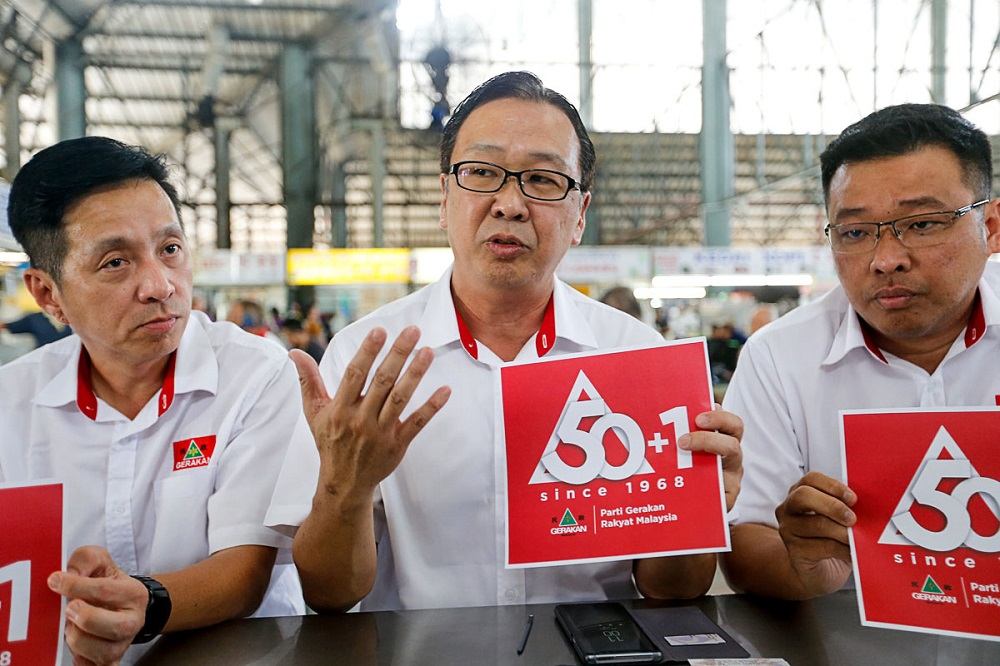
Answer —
772 459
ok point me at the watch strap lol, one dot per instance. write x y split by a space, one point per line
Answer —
157 610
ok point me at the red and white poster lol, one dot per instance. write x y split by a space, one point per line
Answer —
31 619
593 470
926 545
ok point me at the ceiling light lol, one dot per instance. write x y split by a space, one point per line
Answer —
669 293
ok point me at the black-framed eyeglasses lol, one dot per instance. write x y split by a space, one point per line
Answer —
913 231
541 184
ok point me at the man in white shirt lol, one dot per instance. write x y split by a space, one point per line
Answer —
166 429
915 323
426 529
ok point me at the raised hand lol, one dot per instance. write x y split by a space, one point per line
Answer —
359 435
813 522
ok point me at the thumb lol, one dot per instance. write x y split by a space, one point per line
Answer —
93 561
314 394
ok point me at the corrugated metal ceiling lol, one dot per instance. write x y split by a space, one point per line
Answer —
149 63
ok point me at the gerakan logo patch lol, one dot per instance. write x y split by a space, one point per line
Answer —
194 452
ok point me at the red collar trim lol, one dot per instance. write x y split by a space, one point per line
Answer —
544 339
977 322
86 399
167 392
973 332
869 343
465 335
546 336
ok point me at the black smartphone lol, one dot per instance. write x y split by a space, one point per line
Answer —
605 633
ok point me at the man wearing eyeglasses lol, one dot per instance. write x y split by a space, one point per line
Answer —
915 322
426 529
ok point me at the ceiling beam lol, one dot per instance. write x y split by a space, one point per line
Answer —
188 67
321 6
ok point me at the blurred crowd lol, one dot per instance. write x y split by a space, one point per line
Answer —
306 329
309 329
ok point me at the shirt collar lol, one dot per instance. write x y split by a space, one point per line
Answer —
439 324
192 367
854 333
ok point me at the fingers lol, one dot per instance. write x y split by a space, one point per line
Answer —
359 433
419 418
91 561
90 650
101 634
384 392
817 511
314 394
106 607
721 421
388 393
720 433
356 372
113 593
815 537
824 495
812 540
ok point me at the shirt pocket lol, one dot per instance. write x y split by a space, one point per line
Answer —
180 537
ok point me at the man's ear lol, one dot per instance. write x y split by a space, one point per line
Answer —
991 221
46 293
581 223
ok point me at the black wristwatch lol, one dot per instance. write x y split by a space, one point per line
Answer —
157 610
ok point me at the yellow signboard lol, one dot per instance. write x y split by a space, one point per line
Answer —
348 266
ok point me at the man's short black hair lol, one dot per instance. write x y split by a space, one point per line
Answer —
292 324
527 87
63 174
622 298
902 129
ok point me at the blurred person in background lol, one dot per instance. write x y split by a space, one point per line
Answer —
40 326
723 351
317 326
299 338
622 298
761 317
249 315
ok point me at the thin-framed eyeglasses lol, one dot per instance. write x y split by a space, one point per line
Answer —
913 231
541 184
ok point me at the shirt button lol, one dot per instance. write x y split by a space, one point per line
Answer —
511 595
119 509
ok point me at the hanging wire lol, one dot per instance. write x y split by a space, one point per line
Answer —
840 64
906 47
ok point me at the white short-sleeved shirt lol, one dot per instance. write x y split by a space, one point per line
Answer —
795 374
190 475
439 517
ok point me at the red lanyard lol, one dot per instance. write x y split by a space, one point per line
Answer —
86 399
544 339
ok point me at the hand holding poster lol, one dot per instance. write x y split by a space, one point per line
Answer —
31 548
593 470
926 545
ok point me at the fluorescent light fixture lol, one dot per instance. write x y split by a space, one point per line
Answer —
735 280
681 280
790 280
669 293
